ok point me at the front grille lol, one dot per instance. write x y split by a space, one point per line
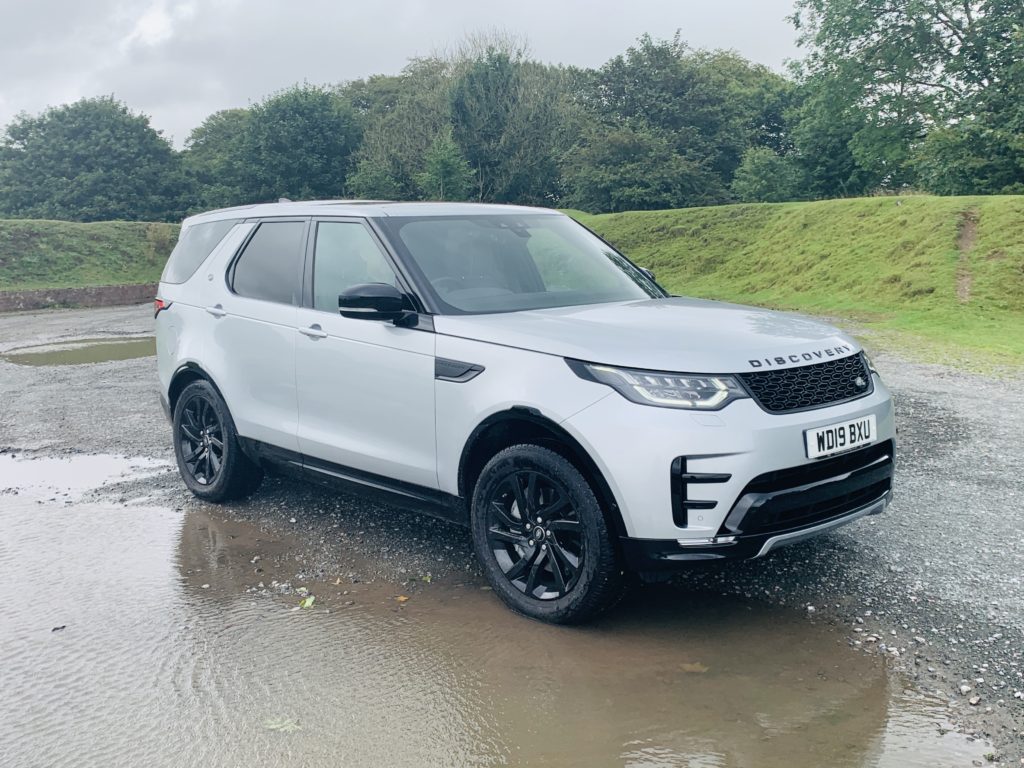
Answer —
814 493
810 386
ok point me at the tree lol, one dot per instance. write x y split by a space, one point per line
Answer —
711 105
371 181
299 144
970 159
509 116
91 160
400 118
623 169
215 158
824 126
910 66
765 177
446 174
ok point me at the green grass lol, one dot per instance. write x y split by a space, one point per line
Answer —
907 270
901 270
61 254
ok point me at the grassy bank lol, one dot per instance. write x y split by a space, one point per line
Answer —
61 254
944 275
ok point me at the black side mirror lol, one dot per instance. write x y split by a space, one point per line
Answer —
374 301
649 273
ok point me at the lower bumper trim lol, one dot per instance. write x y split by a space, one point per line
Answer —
875 508
668 554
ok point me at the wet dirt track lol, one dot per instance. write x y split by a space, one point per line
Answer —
183 643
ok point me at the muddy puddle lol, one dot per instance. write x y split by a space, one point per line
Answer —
83 351
134 633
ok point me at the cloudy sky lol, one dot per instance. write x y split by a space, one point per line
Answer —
180 60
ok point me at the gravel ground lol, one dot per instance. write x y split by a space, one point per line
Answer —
936 584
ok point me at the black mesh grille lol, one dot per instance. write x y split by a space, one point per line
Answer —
810 386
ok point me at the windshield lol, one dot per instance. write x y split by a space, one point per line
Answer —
510 262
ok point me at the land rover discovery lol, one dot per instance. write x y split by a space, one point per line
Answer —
506 368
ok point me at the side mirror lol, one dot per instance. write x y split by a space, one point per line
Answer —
373 301
649 273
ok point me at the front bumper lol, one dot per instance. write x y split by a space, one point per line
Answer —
680 476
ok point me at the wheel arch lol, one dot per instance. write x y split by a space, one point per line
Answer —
528 425
185 375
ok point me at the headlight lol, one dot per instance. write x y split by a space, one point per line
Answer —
690 391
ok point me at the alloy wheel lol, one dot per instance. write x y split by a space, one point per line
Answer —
535 534
202 440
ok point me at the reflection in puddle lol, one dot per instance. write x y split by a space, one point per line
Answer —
83 351
171 654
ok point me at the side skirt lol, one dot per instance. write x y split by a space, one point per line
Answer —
385 490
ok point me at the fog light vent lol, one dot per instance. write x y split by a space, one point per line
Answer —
681 501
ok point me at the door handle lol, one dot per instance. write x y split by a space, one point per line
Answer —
217 310
314 332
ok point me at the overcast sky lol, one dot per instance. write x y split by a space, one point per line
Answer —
180 60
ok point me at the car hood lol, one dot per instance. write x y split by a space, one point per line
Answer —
672 334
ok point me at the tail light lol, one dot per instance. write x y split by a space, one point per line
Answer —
159 305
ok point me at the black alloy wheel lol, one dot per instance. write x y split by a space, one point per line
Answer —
206 446
202 440
535 534
541 535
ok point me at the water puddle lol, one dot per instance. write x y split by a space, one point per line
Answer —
83 351
135 633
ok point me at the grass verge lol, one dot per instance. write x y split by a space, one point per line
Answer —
935 276
63 254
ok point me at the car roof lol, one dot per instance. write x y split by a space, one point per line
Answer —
361 208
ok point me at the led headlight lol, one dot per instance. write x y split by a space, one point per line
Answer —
690 391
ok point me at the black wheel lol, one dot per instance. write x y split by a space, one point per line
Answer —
210 459
541 536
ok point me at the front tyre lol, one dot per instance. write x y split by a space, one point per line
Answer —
206 446
541 536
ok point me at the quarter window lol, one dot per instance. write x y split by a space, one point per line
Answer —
195 244
345 255
270 267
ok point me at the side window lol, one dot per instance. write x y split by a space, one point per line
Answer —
345 255
270 266
195 244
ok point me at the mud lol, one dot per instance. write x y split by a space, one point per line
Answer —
139 631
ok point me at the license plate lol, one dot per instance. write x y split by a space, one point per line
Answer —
839 437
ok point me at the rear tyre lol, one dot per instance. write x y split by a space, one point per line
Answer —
210 459
541 536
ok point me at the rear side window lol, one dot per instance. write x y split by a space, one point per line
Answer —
270 267
195 244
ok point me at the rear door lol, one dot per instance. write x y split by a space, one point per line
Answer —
365 387
252 343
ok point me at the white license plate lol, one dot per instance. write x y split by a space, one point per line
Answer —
839 437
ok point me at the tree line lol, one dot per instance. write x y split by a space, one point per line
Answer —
891 95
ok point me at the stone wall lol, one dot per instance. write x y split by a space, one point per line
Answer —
95 296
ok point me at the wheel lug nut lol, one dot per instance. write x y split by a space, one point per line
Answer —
543 547
528 526
540 519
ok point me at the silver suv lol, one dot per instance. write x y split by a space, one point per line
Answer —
506 368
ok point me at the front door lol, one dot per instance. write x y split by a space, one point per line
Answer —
365 387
